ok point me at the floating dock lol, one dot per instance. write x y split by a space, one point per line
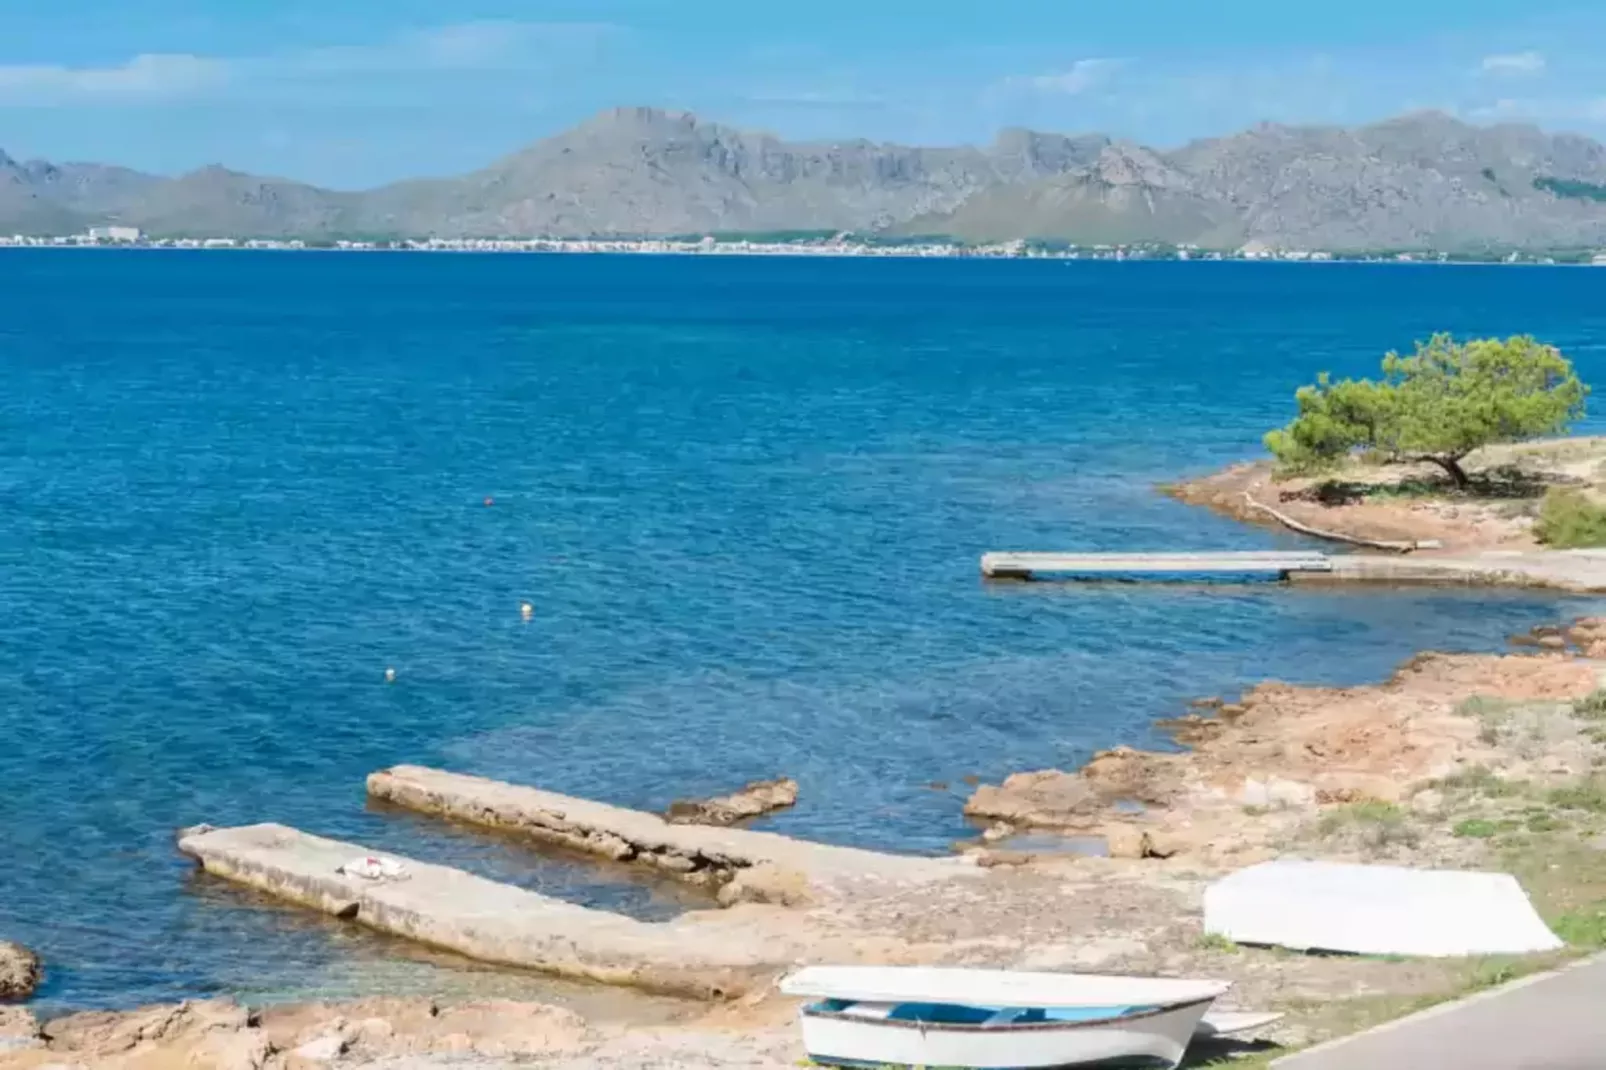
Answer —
483 919
1037 566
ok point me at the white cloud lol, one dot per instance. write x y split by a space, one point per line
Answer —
486 45
151 76
1514 64
1543 109
811 98
1081 76
491 44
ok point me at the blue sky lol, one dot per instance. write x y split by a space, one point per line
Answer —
351 93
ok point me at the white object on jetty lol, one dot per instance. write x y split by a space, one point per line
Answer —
1229 563
374 868
930 1016
1376 910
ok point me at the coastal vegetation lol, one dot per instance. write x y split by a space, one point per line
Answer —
1569 519
1441 403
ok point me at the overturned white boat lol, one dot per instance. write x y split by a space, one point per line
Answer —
1376 910
930 1016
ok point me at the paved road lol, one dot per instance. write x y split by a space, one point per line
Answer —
1556 1021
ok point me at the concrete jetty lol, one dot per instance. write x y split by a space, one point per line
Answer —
1026 566
739 863
1574 571
483 919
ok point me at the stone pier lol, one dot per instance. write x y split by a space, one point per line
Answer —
485 920
740 864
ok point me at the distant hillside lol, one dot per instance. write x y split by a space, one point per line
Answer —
1420 181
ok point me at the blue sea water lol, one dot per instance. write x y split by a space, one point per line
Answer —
745 498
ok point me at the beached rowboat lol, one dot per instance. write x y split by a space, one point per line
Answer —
928 1016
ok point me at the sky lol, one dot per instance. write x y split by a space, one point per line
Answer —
355 93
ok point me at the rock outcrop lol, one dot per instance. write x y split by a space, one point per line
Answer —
20 971
755 800
1287 750
222 1035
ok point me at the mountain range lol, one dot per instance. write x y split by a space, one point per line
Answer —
1421 181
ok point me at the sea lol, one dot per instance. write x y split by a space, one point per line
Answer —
743 497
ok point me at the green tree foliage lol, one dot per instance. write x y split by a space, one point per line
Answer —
1439 404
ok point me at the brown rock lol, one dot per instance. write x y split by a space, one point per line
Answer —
19 971
19 1031
1207 703
1124 774
1124 841
104 1033
1045 798
758 798
993 858
1551 642
383 1028
504 1028
201 1035
1192 729
1159 845
767 883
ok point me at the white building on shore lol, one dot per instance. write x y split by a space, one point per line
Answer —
128 234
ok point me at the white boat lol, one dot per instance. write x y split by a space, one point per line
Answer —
1376 910
930 1016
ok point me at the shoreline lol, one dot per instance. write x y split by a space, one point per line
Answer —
1457 760
668 247
1395 771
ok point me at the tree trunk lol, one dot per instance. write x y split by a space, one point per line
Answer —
1452 466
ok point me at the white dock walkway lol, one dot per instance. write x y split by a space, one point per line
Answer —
1027 566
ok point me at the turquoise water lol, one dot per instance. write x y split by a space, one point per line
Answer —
745 498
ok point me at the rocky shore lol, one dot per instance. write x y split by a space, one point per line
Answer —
1472 761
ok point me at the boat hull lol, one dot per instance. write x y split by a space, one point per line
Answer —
1155 1038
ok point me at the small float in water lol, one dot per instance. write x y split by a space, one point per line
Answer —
930 1016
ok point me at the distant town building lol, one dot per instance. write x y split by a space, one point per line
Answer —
114 234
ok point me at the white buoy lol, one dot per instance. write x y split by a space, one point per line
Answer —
390 676
526 610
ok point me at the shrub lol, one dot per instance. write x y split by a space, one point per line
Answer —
1476 828
1568 518
1587 795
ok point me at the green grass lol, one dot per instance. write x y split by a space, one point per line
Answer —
1592 707
1585 928
1588 795
1479 780
1216 942
1545 823
1569 519
1486 708
1366 812
1380 824
1476 828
